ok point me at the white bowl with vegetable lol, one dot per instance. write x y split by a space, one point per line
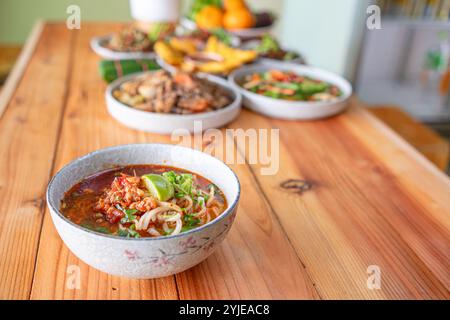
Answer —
291 91
142 101
132 251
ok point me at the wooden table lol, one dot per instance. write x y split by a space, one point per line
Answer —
374 200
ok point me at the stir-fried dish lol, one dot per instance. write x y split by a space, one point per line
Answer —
143 201
134 39
181 93
290 86
130 39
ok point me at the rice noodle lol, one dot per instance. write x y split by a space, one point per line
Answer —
201 213
168 217
170 205
144 221
177 227
190 202
152 231
177 230
211 196
166 228
172 218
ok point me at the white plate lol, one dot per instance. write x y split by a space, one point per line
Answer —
96 45
292 110
167 123
241 33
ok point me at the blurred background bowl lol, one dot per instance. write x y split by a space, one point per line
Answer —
292 110
167 123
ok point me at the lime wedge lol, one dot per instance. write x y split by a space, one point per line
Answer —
158 186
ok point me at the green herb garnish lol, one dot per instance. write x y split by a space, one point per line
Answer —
169 232
187 228
129 214
129 232
190 220
183 183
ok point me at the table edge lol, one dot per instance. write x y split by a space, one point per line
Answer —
12 81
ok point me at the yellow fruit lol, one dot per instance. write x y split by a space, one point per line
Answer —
238 19
231 5
232 57
211 44
210 17
187 46
229 53
168 54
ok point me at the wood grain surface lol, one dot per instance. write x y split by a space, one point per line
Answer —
373 200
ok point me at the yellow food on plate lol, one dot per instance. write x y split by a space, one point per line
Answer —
228 53
216 57
212 44
238 19
210 17
188 66
223 67
187 46
168 53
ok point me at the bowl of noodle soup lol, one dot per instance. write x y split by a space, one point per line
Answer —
143 211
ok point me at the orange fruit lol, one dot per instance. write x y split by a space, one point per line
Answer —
210 17
230 5
238 19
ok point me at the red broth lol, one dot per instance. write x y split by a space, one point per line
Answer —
89 204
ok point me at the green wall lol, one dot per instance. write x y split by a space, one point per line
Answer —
18 16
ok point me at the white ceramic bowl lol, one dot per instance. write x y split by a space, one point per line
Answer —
144 258
155 10
292 110
98 47
168 123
